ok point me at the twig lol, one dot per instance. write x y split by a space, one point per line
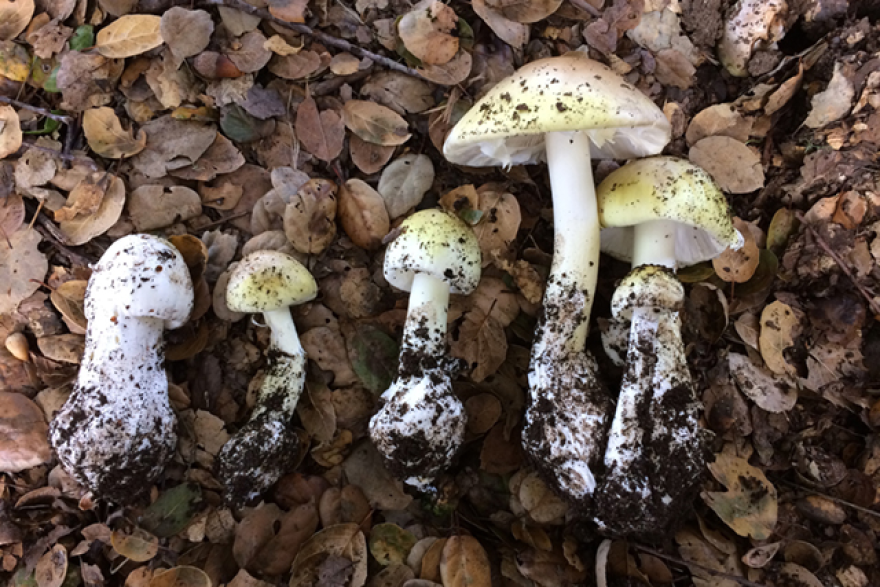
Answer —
224 219
320 36
63 156
858 508
37 109
741 580
842 264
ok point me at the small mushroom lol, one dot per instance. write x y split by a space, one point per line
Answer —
659 213
563 110
420 427
750 25
115 433
265 448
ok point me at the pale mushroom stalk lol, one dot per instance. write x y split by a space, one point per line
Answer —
420 427
654 244
265 448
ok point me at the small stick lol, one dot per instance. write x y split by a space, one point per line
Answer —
37 109
320 36
63 156
858 508
840 262
741 580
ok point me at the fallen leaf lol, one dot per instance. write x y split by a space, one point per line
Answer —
511 32
482 344
779 327
390 544
183 576
289 10
250 54
542 505
316 411
498 224
738 266
341 540
483 411
398 91
525 11
12 214
222 157
465 563
24 431
139 546
173 511
295 66
365 468
323 135
707 558
749 505
106 136
374 357
759 556
835 101
735 167
14 18
22 268
368 157
341 506
172 144
760 386
375 123
362 214
153 206
68 298
294 528
310 217
427 32
186 32
52 567
64 348
404 183
129 35
451 73
719 120
10 131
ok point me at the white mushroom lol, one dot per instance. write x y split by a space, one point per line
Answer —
265 448
420 428
750 25
563 110
659 213
115 433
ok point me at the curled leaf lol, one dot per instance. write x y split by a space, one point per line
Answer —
129 35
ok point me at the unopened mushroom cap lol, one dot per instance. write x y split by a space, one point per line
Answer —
141 276
669 189
437 243
269 280
647 286
565 93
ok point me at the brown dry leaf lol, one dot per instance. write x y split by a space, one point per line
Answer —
392 576
362 214
12 214
375 123
129 35
68 298
250 54
222 157
498 225
10 131
511 32
481 343
289 10
326 347
172 144
365 468
25 433
368 157
758 557
139 546
739 266
835 101
674 69
106 136
465 563
222 197
64 348
427 32
295 66
183 576
543 506
525 11
760 386
400 92
501 453
14 18
548 569
294 528
153 206
52 567
323 135
344 64
85 199
719 119
186 32
310 217
81 229
704 555
391 544
404 183
452 73
483 411
735 167
343 540
749 505
779 328
461 198
20 266
316 412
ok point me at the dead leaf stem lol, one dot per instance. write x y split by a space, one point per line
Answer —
323 37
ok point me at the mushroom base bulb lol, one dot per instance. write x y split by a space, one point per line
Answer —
420 428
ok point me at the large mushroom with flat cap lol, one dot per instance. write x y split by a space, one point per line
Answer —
115 433
420 427
265 448
660 213
563 110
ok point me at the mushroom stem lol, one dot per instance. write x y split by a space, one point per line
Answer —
425 329
576 226
113 343
284 336
654 243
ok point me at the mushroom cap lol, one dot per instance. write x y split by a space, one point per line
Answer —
437 243
647 286
665 188
566 93
141 276
269 280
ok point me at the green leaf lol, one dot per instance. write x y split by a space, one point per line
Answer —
389 543
782 227
51 83
23 578
768 266
50 125
83 38
470 216
465 34
173 510
240 126
374 357
696 273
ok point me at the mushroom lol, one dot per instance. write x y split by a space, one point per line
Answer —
115 433
659 213
420 427
264 449
750 25
564 110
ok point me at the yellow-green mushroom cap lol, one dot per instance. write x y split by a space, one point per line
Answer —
269 280
665 188
436 243
566 93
